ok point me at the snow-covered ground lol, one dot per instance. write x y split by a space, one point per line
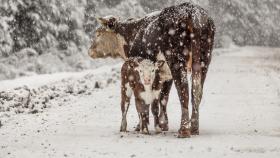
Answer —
240 113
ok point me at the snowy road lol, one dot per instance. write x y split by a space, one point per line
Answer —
240 117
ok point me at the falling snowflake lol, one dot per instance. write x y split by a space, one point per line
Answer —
192 35
171 32
131 78
186 51
168 52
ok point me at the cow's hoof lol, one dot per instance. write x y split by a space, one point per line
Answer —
194 131
164 127
184 133
124 131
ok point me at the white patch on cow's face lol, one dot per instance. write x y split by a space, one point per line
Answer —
147 72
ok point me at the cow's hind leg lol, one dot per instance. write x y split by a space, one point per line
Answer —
179 74
196 92
200 68
163 99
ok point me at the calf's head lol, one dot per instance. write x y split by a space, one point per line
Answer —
146 69
106 42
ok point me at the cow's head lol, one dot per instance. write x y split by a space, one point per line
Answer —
106 42
146 69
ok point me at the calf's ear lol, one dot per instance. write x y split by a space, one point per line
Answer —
160 63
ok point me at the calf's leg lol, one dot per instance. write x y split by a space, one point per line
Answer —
155 112
143 113
126 93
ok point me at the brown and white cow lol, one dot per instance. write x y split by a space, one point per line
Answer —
179 34
141 77
115 38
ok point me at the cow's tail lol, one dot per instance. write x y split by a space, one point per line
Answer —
207 44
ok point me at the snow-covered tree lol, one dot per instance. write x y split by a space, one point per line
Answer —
90 19
60 30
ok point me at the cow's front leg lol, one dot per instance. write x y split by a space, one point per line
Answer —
197 84
179 74
163 99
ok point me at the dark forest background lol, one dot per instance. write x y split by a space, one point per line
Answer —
47 36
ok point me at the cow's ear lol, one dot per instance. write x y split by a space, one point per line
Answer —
101 21
160 63
132 63
108 22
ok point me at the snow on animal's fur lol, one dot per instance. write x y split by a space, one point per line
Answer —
140 76
184 35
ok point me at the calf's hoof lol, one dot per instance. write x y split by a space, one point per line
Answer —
123 129
145 131
158 129
184 133
137 129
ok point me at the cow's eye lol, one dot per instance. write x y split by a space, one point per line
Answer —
153 70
